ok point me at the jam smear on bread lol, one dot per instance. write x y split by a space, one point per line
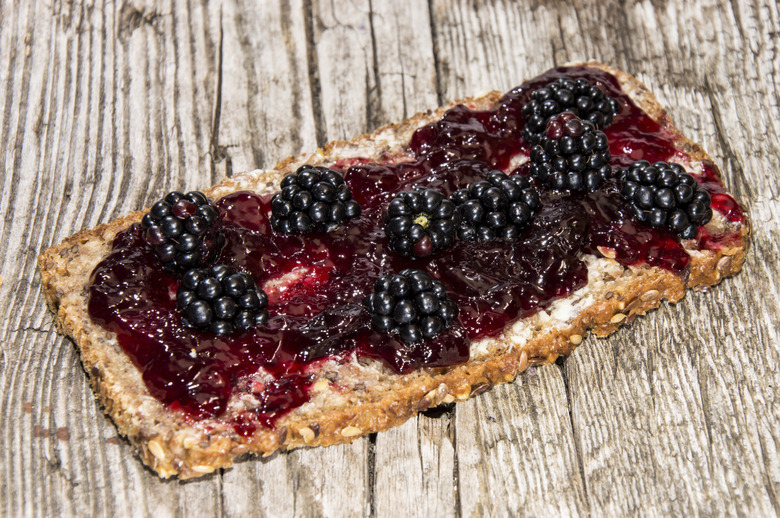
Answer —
492 282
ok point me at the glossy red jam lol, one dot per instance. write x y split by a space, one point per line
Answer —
721 201
317 312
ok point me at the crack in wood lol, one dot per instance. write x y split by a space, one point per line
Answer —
98 167
290 46
32 329
443 411
720 134
374 117
403 79
219 153
314 74
220 492
706 417
561 364
371 467
768 485
456 467
132 17
15 149
435 51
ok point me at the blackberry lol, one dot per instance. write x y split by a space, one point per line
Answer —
412 305
312 199
185 230
220 300
578 96
420 223
499 207
664 195
572 155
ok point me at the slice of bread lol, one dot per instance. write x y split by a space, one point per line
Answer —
353 398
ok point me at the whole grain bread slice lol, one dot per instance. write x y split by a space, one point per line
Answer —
370 397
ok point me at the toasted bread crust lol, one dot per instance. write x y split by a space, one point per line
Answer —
173 445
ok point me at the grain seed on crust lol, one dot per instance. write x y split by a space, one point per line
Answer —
523 362
617 318
607 252
351 431
724 264
307 434
649 295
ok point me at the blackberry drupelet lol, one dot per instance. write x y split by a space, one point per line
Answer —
312 199
185 230
499 207
578 96
420 223
412 305
664 195
572 155
220 300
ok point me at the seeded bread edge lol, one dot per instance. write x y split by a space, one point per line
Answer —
171 444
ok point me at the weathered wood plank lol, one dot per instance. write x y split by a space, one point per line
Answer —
404 61
331 481
415 460
516 450
266 110
678 416
515 446
267 86
383 67
344 59
90 132
415 470
658 470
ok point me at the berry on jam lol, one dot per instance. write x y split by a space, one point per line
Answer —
184 230
412 305
420 223
499 207
571 155
312 199
220 300
580 97
664 195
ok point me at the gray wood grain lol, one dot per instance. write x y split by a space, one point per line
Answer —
517 453
106 106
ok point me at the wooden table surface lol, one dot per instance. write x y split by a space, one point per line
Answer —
108 105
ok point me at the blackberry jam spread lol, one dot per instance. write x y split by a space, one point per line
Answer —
316 282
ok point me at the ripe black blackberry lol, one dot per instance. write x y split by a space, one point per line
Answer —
312 199
578 96
572 155
499 207
220 300
420 223
412 305
185 230
664 195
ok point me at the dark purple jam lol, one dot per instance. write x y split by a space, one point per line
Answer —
721 202
318 313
